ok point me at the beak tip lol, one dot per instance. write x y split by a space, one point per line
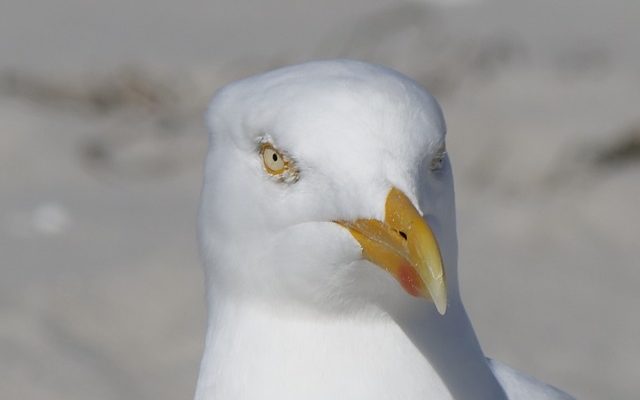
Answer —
441 306
438 293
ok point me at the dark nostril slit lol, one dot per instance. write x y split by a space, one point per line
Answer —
404 235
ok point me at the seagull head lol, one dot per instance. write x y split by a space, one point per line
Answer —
327 186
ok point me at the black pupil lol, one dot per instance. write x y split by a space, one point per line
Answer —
404 235
275 157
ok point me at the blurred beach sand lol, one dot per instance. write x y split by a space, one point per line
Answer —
102 143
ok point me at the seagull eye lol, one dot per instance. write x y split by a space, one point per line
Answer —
277 164
274 162
438 159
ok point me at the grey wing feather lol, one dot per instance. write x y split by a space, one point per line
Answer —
519 386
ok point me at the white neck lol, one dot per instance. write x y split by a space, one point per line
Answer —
255 352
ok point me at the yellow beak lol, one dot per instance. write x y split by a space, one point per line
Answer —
405 246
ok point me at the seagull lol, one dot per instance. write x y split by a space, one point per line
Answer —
327 231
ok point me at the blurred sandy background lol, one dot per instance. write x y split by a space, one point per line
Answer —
102 141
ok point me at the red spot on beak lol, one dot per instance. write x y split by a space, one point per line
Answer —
410 280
